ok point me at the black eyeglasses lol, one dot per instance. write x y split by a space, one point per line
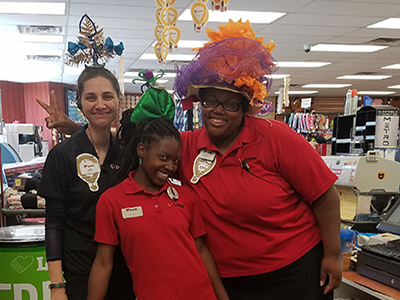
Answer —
228 106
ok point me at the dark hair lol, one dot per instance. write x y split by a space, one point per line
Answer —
131 134
245 102
93 72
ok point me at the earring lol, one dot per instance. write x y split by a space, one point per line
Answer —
140 161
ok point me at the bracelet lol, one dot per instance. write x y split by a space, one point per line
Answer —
57 285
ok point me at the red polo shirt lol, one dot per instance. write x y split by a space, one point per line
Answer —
156 235
261 220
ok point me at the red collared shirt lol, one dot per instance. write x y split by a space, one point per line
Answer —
260 221
156 235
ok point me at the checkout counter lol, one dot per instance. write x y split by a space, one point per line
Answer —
369 193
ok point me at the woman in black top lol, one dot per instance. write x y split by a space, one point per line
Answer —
76 173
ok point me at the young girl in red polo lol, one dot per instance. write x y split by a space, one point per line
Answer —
156 222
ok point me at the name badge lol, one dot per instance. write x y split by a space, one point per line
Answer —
88 167
203 164
132 212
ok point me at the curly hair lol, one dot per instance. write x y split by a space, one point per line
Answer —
131 134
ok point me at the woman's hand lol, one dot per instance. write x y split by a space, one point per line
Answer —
58 294
56 118
332 267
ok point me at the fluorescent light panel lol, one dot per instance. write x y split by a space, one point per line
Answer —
326 86
394 66
301 64
36 8
254 17
394 86
391 23
365 77
346 48
374 93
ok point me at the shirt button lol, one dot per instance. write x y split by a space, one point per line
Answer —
156 206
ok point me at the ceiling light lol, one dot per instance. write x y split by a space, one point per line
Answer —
182 57
394 66
394 86
301 64
254 17
36 8
346 48
374 93
300 92
364 77
391 23
326 86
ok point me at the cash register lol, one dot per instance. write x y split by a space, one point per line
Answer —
369 187
381 262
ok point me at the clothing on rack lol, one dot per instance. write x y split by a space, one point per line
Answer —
305 123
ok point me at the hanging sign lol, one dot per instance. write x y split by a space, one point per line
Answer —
225 5
172 16
158 15
216 4
386 128
165 36
199 13
164 52
158 30
164 16
174 36
157 51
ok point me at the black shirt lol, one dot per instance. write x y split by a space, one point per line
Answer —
71 204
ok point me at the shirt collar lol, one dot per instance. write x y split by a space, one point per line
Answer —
130 186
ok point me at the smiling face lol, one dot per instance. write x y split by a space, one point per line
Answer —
222 126
159 161
99 102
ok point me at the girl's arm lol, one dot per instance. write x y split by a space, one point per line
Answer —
55 274
212 270
55 217
101 272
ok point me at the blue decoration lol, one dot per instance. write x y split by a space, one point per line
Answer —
73 48
110 47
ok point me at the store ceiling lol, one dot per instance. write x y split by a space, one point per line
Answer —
305 22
